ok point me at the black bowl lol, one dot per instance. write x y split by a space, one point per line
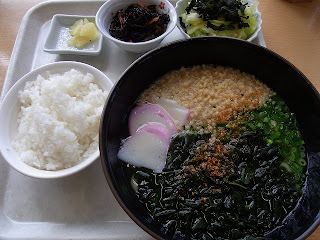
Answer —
296 90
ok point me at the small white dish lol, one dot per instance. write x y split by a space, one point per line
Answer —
111 7
182 4
11 106
59 34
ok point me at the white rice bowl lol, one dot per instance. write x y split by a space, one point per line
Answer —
50 119
59 120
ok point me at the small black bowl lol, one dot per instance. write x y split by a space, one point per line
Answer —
276 72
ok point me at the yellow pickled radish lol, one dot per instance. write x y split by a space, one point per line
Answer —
89 30
76 27
82 32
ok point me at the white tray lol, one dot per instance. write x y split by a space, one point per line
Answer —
77 207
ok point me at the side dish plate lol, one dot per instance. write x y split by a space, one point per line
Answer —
59 35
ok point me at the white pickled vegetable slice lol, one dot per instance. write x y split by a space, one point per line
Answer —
176 111
147 113
147 147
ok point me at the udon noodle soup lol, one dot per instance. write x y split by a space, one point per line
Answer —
235 168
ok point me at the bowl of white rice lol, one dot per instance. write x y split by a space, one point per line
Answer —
49 119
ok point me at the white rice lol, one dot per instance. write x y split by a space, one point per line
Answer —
59 120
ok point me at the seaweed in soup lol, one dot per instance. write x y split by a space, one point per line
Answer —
279 129
234 187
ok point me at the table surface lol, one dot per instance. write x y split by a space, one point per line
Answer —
290 29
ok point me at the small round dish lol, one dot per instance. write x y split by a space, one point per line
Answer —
182 4
109 9
56 42
10 109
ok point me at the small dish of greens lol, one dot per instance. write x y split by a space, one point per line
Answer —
231 18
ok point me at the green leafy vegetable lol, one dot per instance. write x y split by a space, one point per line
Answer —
232 18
